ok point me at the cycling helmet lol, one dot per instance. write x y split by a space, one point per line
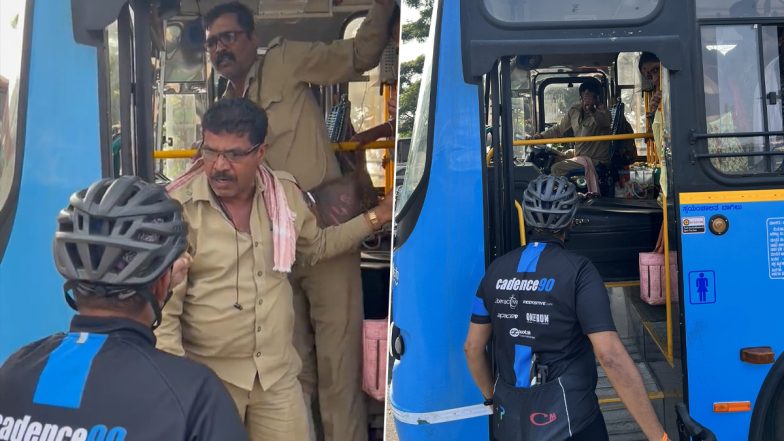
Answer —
117 237
550 203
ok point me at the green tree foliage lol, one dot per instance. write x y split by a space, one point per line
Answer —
411 71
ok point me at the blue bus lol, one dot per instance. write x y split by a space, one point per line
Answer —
704 175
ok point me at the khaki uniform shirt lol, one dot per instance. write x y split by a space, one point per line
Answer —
279 83
585 124
201 322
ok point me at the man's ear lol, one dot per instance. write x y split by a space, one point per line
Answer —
261 152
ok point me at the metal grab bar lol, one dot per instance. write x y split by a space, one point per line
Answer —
344 146
622 137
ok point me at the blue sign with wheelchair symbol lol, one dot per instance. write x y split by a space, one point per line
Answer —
702 287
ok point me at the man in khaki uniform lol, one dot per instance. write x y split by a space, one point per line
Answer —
234 313
328 296
589 117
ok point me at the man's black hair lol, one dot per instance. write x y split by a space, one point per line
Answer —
647 57
591 85
243 13
238 116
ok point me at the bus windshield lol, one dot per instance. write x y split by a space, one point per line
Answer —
531 11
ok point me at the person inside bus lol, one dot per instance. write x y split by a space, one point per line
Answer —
247 226
650 70
549 314
120 246
589 117
328 296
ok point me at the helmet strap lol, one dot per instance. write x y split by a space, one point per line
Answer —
68 288
147 294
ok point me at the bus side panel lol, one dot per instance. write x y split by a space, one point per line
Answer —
439 266
733 297
61 155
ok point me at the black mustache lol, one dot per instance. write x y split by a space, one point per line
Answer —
223 56
223 175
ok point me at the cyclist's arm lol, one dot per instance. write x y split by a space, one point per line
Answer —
626 380
475 344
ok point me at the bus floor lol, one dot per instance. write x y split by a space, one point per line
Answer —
662 380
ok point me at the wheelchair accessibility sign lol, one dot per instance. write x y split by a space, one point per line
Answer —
702 287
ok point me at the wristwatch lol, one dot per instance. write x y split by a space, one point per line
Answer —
371 216
488 401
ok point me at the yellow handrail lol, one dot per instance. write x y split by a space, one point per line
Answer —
622 137
520 222
344 146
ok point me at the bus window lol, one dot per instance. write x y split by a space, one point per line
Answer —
183 98
367 104
738 8
733 101
522 115
531 11
12 34
112 76
558 98
417 156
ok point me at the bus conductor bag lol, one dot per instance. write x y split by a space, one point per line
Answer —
343 198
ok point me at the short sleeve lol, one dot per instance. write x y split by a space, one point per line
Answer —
592 303
479 313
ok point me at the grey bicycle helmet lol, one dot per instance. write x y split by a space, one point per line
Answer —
117 237
549 203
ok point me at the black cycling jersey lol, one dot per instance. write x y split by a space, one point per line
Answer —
105 381
542 301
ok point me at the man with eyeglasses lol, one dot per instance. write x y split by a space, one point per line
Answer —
328 296
246 227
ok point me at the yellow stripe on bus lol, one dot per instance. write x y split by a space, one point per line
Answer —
716 197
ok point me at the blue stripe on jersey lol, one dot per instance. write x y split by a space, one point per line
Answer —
479 308
63 378
530 257
522 366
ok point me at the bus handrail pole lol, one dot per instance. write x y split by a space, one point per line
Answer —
343 146
623 137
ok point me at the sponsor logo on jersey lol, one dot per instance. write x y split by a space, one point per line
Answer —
28 429
514 332
539 319
542 419
507 316
511 301
529 285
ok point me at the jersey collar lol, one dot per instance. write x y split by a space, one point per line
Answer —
545 238
110 325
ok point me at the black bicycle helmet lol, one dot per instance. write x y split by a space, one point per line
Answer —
117 237
549 203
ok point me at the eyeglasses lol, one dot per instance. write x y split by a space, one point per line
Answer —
227 38
233 155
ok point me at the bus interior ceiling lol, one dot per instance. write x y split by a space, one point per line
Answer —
612 229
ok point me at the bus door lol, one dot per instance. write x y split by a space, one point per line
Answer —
728 177
586 34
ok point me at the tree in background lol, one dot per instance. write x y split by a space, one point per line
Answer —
410 71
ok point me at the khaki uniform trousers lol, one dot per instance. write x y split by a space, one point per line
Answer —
275 414
328 314
561 168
